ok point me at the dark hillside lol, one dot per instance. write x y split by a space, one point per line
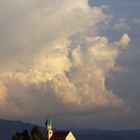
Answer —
9 128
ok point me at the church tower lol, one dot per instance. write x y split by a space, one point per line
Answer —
49 130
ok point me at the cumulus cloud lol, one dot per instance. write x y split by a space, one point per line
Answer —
91 68
41 65
3 93
136 21
125 40
121 26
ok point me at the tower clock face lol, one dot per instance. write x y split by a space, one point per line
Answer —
49 127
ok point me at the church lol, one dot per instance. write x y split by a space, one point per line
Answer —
57 135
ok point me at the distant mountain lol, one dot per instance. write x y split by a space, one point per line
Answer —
9 128
99 134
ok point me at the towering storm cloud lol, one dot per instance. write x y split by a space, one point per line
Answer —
48 58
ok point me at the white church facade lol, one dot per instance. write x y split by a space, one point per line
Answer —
57 135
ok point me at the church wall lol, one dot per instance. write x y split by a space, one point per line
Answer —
70 136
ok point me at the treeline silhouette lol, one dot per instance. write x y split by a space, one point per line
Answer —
35 134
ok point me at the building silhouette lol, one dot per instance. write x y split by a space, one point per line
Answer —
57 135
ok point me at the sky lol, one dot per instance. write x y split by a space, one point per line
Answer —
77 62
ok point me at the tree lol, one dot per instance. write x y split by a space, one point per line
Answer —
24 135
21 136
36 133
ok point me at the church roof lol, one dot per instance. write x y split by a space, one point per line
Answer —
48 122
60 135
